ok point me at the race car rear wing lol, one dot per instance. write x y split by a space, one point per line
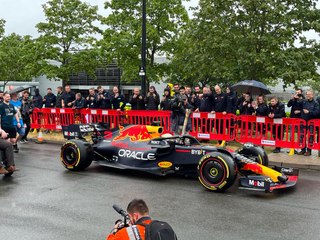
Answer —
77 130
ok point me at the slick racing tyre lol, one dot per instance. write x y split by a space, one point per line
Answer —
76 155
217 171
255 153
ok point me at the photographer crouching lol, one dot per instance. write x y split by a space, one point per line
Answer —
137 224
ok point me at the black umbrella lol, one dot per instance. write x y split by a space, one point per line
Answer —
19 89
252 86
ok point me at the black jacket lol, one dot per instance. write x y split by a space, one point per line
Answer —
313 108
206 103
137 103
278 110
118 103
37 101
295 104
152 101
92 101
220 102
166 103
79 103
104 101
262 110
59 100
246 109
68 97
231 103
50 100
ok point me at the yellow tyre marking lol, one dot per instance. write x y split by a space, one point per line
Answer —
223 183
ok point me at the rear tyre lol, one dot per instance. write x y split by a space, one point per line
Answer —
217 171
255 153
76 155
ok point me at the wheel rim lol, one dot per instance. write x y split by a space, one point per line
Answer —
213 172
70 155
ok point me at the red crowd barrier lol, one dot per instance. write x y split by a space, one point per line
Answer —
147 117
313 134
55 118
36 118
283 132
213 126
113 117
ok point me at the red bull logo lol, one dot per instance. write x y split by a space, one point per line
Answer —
139 133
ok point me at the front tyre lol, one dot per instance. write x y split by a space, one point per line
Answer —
217 171
255 153
76 155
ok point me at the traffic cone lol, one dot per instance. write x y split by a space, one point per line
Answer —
291 152
40 137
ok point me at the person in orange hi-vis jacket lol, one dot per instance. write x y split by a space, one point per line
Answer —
139 217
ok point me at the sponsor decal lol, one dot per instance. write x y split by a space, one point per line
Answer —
203 135
86 128
286 170
164 164
256 183
138 133
198 152
260 120
268 142
155 142
136 155
196 115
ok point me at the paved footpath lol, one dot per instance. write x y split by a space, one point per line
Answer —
299 161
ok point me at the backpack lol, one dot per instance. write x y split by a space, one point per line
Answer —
158 230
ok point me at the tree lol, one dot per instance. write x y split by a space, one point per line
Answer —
68 38
122 38
253 39
2 24
19 58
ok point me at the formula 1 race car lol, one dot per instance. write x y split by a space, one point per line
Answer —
147 148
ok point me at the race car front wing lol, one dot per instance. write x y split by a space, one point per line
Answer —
263 183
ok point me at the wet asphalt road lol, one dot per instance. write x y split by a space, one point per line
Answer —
45 201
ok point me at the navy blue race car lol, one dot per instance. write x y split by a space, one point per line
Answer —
147 148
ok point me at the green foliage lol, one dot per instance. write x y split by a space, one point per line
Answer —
122 38
229 41
2 24
67 38
19 58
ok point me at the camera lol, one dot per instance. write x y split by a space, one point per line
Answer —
126 218
120 223
299 95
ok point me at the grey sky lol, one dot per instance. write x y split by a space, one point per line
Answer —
22 15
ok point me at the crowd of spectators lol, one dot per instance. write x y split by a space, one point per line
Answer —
179 99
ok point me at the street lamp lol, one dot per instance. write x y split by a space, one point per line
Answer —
142 72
